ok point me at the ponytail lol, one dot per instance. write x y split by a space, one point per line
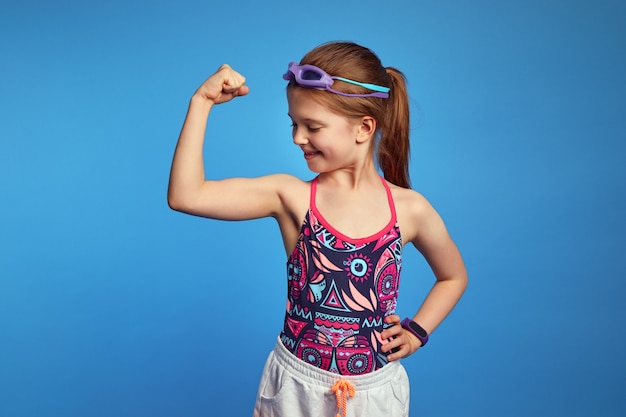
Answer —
394 147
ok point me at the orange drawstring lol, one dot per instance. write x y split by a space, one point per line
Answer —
342 390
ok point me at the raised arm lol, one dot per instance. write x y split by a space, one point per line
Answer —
189 191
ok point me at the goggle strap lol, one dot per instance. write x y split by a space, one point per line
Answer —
372 87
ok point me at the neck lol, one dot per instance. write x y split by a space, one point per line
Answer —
352 178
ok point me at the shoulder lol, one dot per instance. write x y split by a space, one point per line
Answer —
416 215
291 191
288 186
279 184
294 194
409 201
287 179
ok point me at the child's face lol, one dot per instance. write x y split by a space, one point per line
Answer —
328 140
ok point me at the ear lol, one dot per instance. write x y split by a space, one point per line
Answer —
366 129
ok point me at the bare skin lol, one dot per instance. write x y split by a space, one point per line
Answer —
350 194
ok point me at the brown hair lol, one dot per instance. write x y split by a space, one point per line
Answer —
355 62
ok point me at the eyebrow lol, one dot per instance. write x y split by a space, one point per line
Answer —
306 119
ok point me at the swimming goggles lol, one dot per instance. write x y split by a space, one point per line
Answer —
312 76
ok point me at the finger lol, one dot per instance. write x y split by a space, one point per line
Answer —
233 80
391 332
396 350
229 78
392 319
243 90
393 326
393 343
240 90
402 352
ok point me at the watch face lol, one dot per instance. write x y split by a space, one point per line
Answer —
417 329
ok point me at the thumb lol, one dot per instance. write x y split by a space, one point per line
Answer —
241 91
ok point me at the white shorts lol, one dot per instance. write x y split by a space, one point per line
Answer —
291 387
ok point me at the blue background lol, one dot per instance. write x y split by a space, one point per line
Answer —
113 305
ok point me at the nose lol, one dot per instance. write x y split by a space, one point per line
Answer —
299 136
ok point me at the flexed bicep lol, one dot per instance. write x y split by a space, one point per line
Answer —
235 198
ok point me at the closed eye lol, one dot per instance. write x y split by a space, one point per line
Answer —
309 128
311 125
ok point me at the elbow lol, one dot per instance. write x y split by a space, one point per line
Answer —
463 280
184 203
175 202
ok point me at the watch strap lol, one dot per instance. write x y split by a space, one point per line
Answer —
417 330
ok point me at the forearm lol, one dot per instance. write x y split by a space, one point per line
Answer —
440 301
187 171
438 304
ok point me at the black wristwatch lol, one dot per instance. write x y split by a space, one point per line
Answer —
416 329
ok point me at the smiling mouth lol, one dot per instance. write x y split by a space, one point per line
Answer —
311 154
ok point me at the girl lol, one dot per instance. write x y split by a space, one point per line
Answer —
343 232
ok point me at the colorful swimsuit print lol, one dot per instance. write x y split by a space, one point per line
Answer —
339 292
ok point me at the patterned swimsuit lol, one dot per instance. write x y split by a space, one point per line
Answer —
339 291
